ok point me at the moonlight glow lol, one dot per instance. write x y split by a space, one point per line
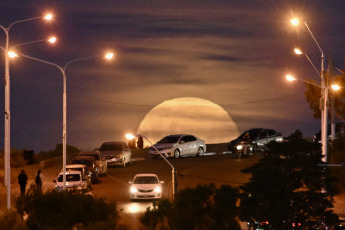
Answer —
188 115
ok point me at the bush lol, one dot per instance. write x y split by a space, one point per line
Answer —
66 210
11 220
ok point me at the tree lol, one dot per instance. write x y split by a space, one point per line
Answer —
66 210
288 186
203 207
313 93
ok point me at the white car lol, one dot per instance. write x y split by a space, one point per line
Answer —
145 186
74 181
116 153
178 145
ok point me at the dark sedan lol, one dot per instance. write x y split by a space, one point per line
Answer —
253 140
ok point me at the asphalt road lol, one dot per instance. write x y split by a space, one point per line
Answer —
191 171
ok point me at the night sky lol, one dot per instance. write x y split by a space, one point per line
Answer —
232 53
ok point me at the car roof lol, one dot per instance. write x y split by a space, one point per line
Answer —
83 157
114 142
89 153
145 174
70 172
76 166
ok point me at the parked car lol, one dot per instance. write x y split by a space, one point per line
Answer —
116 153
74 181
100 161
253 140
178 145
90 163
83 169
145 186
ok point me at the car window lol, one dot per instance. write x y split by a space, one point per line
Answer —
263 134
82 162
111 147
271 132
169 139
76 169
184 139
96 156
145 180
191 138
70 177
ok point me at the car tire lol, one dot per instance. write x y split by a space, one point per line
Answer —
177 153
200 152
124 162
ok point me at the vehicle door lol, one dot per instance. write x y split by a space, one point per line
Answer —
272 135
192 145
262 138
184 146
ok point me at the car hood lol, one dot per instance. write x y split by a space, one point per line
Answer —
146 186
113 153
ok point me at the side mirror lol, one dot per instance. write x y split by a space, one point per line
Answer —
130 182
161 182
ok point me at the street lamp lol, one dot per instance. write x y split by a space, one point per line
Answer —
7 114
173 172
324 94
292 78
107 56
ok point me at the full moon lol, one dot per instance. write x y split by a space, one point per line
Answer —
189 115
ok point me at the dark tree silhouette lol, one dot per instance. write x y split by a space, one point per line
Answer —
288 186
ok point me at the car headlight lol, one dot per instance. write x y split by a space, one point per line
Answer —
157 189
134 189
239 147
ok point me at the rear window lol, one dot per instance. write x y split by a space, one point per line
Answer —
70 177
111 147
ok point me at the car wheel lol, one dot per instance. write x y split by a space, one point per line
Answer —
200 152
177 153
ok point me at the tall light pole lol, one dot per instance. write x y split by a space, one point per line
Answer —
7 114
64 113
324 95
173 171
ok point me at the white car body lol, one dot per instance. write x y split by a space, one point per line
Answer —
116 153
74 181
145 186
178 145
83 169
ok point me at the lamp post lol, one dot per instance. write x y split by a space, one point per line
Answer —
64 113
173 171
324 94
7 114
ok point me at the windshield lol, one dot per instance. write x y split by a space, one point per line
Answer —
82 162
70 177
96 156
169 139
145 180
253 133
111 147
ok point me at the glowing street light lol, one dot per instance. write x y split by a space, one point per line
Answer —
173 172
63 69
7 113
324 92
335 87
